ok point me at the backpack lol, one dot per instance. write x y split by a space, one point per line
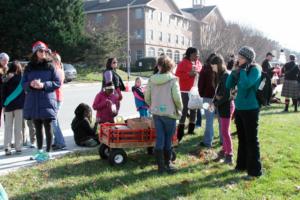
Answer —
264 90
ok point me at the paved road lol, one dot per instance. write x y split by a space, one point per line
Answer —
74 93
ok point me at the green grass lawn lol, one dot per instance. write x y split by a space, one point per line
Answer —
91 74
85 176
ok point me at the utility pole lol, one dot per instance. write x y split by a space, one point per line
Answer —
128 39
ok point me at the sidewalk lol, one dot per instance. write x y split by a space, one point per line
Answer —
14 162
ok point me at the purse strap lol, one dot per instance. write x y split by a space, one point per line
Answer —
196 80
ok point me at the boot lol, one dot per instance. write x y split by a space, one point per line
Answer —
180 132
191 128
159 155
170 168
296 107
286 108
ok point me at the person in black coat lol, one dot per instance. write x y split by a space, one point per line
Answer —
13 101
224 105
84 133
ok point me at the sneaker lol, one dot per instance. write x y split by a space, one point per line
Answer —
18 151
32 145
59 148
228 159
220 157
7 152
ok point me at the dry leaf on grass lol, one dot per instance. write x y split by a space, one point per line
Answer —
298 187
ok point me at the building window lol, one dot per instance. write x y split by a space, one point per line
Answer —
151 34
169 53
151 52
99 18
139 34
177 39
169 38
150 14
182 40
139 54
177 57
139 14
160 17
160 52
160 36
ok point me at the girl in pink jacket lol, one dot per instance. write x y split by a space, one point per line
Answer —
107 104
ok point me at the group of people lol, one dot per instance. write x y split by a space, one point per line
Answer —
32 94
225 91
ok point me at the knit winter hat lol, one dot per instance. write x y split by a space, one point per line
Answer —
39 45
248 53
4 56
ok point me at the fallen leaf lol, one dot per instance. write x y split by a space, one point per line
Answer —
298 187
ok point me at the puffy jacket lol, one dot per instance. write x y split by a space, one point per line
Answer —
186 81
169 102
40 103
247 84
12 91
102 104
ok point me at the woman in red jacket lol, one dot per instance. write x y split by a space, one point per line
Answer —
187 71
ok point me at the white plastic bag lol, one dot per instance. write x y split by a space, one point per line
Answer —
195 101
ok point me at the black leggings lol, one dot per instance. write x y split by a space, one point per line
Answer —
38 123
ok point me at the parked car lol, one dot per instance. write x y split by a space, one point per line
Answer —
70 72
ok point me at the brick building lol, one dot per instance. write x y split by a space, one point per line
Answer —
156 26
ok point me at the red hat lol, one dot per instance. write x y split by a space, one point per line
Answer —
39 45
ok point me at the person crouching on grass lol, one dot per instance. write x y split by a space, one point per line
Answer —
164 98
138 93
107 104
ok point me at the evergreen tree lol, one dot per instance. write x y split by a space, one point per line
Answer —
104 43
58 23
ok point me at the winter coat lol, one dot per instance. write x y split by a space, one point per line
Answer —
205 83
83 130
40 103
247 84
291 71
223 104
186 81
267 68
103 105
139 98
163 95
13 95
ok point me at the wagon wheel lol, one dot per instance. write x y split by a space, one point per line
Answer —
150 150
117 157
103 151
173 155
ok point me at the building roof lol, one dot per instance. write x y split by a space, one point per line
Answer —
201 12
189 16
90 6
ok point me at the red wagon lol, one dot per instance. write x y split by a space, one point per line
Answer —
114 138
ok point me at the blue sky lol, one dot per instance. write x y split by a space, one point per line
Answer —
278 20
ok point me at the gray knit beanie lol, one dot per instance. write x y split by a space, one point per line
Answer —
248 53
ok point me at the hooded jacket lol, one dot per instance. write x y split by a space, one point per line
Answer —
40 103
103 105
163 95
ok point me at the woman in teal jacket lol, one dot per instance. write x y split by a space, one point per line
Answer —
247 79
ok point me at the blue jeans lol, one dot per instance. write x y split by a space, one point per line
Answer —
209 125
58 136
165 128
